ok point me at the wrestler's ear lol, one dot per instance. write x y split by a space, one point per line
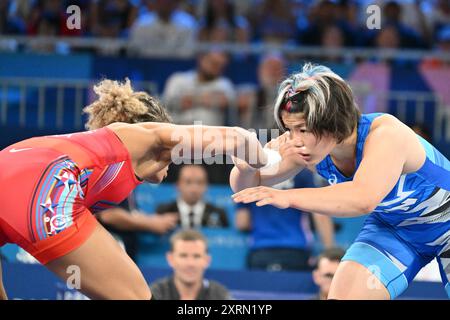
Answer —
169 257
316 276
208 260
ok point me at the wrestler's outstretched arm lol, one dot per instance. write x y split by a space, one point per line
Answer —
385 154
165 142
199 142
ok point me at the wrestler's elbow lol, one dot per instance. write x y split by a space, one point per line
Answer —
365 205
360 196
352 210
366 208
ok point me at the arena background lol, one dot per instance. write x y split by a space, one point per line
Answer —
47 72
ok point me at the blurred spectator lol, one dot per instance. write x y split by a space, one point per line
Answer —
388 38
164 28
442 45
300 9
354 14
256 106
189 259
5 27
413 13
221 24
348 12
47 18
439 16
325 270
443 40
112 18
325 14
282 239
125 221
191 7
192 209
13 16
203 94
392 18
273 21
332 38
242 6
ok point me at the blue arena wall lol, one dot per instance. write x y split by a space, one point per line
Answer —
24 281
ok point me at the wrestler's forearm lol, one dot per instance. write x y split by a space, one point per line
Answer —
199 142
270 176
340 200
244 145
283 171
240 179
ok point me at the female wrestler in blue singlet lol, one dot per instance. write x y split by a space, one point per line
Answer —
375 165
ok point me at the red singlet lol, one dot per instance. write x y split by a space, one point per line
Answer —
49 187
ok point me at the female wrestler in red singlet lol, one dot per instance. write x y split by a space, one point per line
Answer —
51 186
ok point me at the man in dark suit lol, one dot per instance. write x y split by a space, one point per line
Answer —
192 209
189 258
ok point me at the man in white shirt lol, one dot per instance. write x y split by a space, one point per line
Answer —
203 94
163 30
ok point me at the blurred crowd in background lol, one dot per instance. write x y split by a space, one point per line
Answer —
279 239
180 23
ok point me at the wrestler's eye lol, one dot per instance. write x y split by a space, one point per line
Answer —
300 129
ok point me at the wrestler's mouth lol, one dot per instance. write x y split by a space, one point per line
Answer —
305 156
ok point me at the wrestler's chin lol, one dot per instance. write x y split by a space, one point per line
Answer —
308 159
156 179
313 160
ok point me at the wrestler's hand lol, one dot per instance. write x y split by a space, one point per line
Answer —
288 148
242 165
276 143
263 196
248 151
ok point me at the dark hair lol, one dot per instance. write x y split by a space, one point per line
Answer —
424 131
393 5
332 254
187 235
211 18
192 165
323 99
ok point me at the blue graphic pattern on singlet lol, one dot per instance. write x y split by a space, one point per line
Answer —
418 207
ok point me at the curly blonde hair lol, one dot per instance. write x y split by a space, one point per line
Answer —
118 102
